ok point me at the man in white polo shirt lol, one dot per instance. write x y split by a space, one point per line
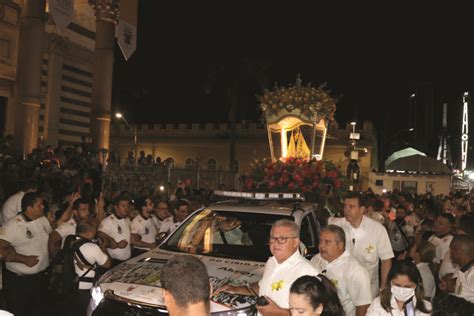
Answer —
281 270
115 229
170 224
12 205
24 249
462 254
367 240
161 214
80 211
346 273
143 228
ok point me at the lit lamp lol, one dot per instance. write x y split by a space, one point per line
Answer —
288 109
133 130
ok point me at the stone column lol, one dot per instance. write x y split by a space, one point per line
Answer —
106 12
57 46
29 75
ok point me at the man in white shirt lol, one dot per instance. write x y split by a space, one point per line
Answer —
281 270
24 249
345 272
143 228
115 229
462 254
366 240
443 228
161 213
80 211
87 257
12 205
170 224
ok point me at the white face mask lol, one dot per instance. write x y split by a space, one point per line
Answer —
402 294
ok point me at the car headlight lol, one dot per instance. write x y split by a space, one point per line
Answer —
96 297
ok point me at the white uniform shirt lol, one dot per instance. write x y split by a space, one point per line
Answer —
443 247
465 284
145 228
94 255
168 225
29 238
368 243
278 277
12 206
118 229
427 277
66 229
376 309
350 278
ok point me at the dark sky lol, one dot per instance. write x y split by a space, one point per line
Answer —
374 54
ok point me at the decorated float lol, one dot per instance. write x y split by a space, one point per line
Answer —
297 119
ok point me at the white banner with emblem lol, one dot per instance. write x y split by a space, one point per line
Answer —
126 30
62 12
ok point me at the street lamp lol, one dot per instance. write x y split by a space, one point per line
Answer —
132 129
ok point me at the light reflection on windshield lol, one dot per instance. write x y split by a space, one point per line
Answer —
237 235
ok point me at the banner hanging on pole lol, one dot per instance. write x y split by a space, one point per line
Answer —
62 12
126 31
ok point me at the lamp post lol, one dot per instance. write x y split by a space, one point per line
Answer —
133 129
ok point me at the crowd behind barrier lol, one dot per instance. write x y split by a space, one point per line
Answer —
419 228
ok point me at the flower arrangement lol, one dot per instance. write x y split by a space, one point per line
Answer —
309 100
311 177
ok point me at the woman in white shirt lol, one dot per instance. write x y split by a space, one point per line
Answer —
403 294
314 296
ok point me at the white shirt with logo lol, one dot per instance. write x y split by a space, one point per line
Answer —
278 277
29 238
145 228
118 229
349 277
367 243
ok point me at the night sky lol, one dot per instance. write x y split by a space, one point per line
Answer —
190 57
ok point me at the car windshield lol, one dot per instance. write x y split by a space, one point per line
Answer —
237 235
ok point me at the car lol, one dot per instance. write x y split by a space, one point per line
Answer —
230 237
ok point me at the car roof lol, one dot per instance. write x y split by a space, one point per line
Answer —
264 207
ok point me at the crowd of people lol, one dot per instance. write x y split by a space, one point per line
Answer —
395 254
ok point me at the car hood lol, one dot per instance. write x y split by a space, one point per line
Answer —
138 279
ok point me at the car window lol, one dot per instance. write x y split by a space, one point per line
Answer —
238 235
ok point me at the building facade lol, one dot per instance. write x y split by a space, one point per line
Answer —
57 106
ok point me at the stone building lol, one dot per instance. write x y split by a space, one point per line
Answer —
209 145
48 91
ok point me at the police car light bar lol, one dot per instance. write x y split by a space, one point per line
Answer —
260 196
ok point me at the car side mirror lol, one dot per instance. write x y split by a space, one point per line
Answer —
161 236
310 252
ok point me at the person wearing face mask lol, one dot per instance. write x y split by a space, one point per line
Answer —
403 294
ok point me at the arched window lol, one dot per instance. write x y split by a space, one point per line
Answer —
211 164
190 163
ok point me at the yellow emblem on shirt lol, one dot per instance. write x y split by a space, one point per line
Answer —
277 285
334 281
370 249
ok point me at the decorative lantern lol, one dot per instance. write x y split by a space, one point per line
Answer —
288 110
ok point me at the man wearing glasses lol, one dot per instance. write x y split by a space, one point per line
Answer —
281 270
